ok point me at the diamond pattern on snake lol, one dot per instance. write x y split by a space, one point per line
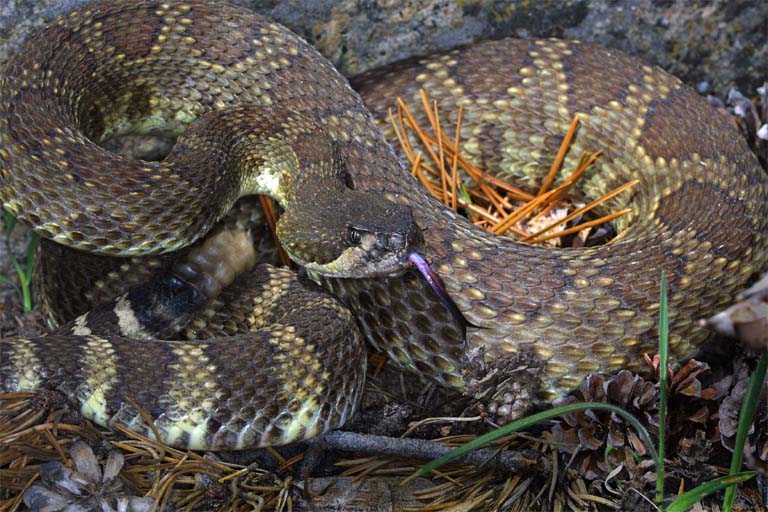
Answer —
253 109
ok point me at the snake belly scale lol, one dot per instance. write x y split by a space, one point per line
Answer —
256 110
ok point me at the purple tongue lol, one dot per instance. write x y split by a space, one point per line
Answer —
437 286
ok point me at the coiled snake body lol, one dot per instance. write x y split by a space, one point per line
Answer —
259 111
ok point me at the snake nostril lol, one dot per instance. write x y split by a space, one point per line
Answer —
391 242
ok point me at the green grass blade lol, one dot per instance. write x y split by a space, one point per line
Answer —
746 415
24 288
663 357
688 499
26 296
463 193
9 221
19 271
26 283
532 420
23 269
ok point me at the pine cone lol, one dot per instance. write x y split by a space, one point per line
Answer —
604 439
87 488
692 407
692 419
756 446
692 460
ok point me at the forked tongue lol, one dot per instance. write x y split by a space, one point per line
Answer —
437 286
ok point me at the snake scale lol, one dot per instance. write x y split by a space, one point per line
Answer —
257 110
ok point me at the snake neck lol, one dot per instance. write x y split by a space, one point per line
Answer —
327 225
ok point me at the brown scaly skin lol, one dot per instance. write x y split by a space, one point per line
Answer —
263 376
68 283
699 212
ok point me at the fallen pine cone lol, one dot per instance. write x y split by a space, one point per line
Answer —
603 439
756 445
87 488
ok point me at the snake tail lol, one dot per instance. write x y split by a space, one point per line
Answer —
300 369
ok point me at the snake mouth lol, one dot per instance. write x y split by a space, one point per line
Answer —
363 261
373 247
437 286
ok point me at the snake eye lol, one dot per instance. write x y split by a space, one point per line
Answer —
354 236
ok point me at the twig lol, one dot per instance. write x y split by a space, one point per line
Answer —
422 449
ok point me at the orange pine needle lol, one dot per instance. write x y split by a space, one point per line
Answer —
417 169
441 154
477 210
455 161
419 132
584 209
583 225
560 155
402 138
416 166
494 210
427 109
429 142
586 160
516 193
377 360
271 214
518 214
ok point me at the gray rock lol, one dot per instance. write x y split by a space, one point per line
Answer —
722 42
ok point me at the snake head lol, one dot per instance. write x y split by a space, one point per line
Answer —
362 235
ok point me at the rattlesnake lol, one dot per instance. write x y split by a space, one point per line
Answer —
257 110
